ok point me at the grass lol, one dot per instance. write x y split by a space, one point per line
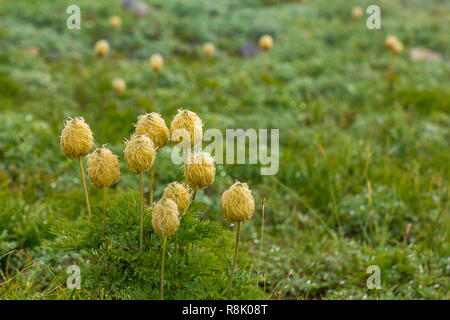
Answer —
358 162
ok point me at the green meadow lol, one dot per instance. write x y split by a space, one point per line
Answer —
364 152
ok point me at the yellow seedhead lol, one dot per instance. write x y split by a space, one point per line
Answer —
76 138
266 42
179 194
186 129
101 48
238 203
119 85
115 22
165 217
139 153
209 49
156 62
153 126
200 170
357 13
103 168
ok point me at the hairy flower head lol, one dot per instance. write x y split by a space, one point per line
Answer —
266 42
179 194
139 153
156 62
153 126
200 170
115 22
165 217
395 45
390 41
119 85
186 128
397 48
208 49
101 48
238 203
76 138
103 168
357 13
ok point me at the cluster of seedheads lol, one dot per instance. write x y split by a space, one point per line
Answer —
156 61
150 136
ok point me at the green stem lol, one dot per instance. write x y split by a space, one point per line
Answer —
393 72
84 186
177 247
155 80
104 207
141 209
162 268
238 235
261 241
265 280
185 167
152 183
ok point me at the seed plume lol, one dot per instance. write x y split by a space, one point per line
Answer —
186 128
200 170
165 217
139 153
153 126
237 202
179 194
76 138
103 168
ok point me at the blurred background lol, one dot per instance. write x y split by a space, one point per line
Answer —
364 133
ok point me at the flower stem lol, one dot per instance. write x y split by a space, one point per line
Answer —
141 209
155 80
152 183
262 237
104 208
266 63
185 166
393 72
153 85
238 235
84 186
161 291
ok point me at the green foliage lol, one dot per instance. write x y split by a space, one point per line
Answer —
197 263
358 162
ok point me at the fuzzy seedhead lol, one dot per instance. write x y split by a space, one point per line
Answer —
103 168
165 217
390 41
395 45
266 42
139 153
76 138
397 48
208 49
101 48
357 13
153 126
200 170
186 128
156 62
119 85
115 22
237 202
179 194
